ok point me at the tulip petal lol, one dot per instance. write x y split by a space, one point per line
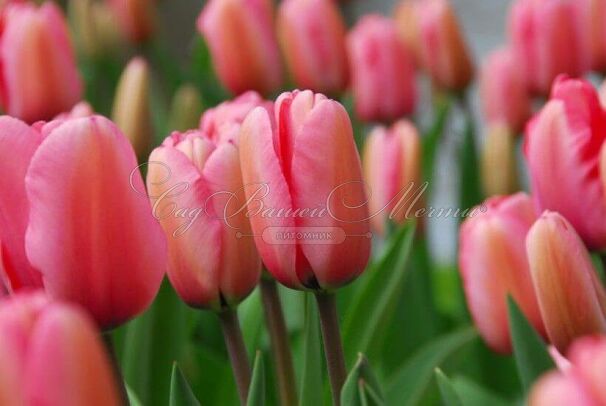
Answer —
557 389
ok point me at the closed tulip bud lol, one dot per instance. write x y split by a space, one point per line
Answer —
493 265
382 69
444 52
52 355
136 18
240 33
571 297
392 169
131 106
406 16
505 99
499 171
32 90
89 22
96 243
563 142
306 198
185 109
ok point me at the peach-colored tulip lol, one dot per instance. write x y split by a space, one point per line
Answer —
91 231
52 355
570 295
136 18
38 74
195 185
392 169
406 17
592 14
444 52
493 264
243 44
548 40
505 98
312 35
562 147
305 191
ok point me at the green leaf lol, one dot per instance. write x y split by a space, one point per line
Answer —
361 386
409 383
133 399
530 352
471 193
256 392
472 394
431 139
180 391
375 304
311 382
449 395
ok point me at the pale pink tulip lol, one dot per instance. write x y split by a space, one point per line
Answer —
136 18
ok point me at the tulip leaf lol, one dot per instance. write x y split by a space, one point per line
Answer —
133 399
472 394
470 191
447 391
431 139
180 391
361 386
256 392
530 352
311 380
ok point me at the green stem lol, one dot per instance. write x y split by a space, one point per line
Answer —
237 351
117 372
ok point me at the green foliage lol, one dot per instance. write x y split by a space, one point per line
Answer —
256 392
312 377
180 391
447 390
361 388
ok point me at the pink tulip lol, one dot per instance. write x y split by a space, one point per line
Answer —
136 18
444 52
306 199
80 110
602 94
493 264
392 168
548 40
38 74
243 45
562 148
406 16
570 295
52 355
213 259
312 35
382 69
592 14
503 90
91 232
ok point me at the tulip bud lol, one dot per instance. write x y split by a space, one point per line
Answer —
407 20
33 90
493 265
499 172
131 106
382 70
89 24
185 109
592 14
392 169
563 143
243 45
571 297
305 192
444 52
136 18
312 35
505 99
95 242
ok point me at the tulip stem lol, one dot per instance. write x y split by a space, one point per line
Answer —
237 351
333 348
274 317
113 358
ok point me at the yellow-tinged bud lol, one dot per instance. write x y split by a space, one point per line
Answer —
186 108
93 28
499 172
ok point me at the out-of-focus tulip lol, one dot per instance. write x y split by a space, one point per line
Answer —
602 94
136 18
499 171
392 169
505 98
444 52
306 198
93 35
562 147
131 106
38 74
547 39
493 264
91 231
407 21
196 188
570 295
185 109
243 44
312 35
52 355
382 70
592 14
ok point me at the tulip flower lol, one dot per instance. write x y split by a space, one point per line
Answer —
91 232
570 295
562 149
406 17
312 35
505 99
547 39
136 18
592 14
392 168
52 355
499 172
243 45
382 70
80 110
493 264
444 52
38 74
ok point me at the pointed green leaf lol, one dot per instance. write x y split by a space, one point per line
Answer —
361 386
472 394
447 391
431 139
471 193
530 352
256 392
311 394
132 397
180 391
